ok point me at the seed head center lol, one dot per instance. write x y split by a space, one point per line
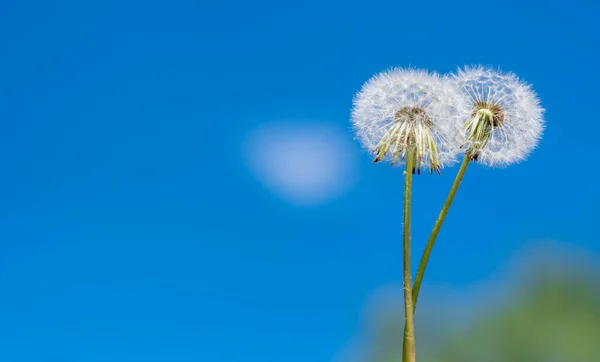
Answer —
410 132
490 112
485 117
413 115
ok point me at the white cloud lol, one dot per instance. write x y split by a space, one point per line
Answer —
306 164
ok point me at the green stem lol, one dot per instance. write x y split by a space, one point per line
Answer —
437 227
409 335
433 237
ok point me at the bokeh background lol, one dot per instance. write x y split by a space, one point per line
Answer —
179 182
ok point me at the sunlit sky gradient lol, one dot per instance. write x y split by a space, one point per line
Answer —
150 209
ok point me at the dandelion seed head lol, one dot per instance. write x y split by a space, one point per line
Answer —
402 110
506 120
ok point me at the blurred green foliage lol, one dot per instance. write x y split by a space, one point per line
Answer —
552 317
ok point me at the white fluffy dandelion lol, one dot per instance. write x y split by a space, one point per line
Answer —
402 111
506 120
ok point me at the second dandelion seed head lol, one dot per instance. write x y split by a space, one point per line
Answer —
506 122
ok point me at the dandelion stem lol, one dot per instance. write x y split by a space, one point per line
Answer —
431 242
436 229
409 335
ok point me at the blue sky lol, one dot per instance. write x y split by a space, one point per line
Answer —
138 223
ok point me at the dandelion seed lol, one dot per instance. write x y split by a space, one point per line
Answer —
506 120
404 111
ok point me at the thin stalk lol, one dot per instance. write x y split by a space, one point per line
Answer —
409 335
431 241
436 229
